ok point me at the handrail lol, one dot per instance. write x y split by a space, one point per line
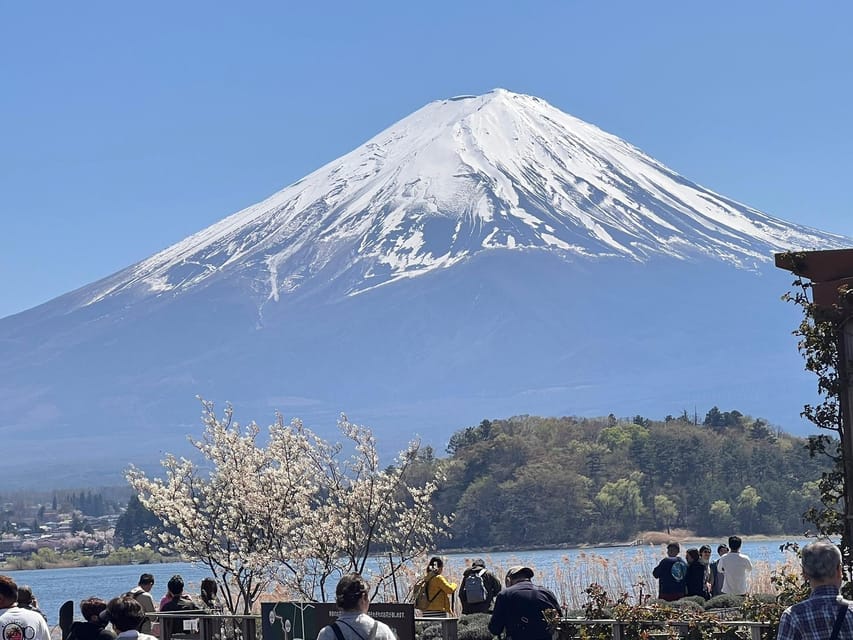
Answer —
208 624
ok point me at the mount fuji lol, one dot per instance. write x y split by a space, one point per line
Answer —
485 256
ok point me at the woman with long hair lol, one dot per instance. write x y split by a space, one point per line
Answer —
208 595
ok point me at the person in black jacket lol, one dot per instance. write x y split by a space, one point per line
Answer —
179 602
482 585
694 580
94 628
519 609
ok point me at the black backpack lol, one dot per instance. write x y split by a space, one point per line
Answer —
474 588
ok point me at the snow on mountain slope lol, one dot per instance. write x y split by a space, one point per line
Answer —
459 177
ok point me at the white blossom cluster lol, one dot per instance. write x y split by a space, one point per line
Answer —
295 511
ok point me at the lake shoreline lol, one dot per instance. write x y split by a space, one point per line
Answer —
647 539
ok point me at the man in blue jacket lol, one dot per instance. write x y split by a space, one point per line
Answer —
519 609
670 573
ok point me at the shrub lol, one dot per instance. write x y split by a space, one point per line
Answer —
474 626
724 601
428 631
690 603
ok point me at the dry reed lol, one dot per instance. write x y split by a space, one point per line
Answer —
623 572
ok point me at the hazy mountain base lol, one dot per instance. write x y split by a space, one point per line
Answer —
500 335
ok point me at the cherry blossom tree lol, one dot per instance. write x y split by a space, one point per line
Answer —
360 511
292 510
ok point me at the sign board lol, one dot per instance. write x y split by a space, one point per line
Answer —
303 620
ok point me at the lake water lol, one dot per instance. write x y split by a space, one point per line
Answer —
52 587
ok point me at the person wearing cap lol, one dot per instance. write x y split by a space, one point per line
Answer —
519 609
479 588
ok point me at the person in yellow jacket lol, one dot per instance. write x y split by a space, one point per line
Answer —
439 590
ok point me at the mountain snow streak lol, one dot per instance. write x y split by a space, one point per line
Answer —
501 171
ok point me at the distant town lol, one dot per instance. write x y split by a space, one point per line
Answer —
69 528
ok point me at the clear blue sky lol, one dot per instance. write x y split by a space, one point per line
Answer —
128 126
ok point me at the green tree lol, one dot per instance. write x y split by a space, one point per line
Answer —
621 502
77 523
665 511
820 343
721 519
747 507
136 525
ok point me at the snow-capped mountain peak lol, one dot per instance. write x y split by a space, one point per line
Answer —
500 171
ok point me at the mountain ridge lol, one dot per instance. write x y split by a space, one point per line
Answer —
456 177
464 263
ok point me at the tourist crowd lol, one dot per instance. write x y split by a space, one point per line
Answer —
696 575
517 610
122 617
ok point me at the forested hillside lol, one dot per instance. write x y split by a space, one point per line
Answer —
546 481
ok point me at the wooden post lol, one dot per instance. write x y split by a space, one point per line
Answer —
845 379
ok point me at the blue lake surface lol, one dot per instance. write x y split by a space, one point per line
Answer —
52 587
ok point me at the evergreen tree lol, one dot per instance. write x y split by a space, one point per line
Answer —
132 525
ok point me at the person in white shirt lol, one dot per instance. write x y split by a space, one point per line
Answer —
353 599
142 593
735 568
17 623
126 615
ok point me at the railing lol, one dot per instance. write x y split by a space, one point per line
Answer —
207 626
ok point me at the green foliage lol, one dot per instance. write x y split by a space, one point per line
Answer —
665 511
790 588
598 606
683 619
694 603
428 631
92 504
469 436
134 524
724 601
571 480
820 343
720 420
46 558
474 626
